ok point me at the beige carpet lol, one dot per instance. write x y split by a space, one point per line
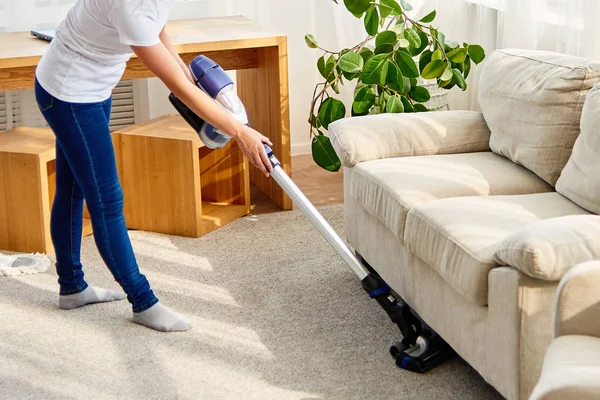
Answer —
277 316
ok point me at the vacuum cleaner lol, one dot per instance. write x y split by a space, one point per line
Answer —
420 349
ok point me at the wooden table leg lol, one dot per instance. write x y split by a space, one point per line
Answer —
265 93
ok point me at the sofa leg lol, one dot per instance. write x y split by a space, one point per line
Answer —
420 349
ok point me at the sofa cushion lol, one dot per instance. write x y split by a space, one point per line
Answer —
459 237
579 180
532 102
548 249
571 370
387 189
374 137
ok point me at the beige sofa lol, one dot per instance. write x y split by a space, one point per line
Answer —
473 218
572 366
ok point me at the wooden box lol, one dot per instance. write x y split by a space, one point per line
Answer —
27 187
173 184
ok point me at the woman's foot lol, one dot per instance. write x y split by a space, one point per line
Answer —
162 319
90 295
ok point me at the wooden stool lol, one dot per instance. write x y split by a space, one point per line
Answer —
173 184
27 187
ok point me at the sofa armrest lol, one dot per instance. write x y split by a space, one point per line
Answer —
548 249
380 136
577 304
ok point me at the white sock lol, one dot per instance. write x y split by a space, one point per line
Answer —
89 296
162 319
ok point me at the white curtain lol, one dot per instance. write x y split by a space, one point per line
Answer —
565 26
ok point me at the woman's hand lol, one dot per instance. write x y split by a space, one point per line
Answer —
251 144
161 62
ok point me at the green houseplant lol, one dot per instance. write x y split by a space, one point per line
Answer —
388 73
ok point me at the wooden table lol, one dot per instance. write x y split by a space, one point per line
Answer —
257 54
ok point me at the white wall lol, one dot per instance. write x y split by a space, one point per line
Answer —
332 25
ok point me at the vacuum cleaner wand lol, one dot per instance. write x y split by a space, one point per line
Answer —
416 352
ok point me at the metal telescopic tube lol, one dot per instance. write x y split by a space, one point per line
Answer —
318 221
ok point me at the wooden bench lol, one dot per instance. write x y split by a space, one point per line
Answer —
173 184
27 187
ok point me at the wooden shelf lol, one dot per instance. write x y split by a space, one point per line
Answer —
174 185
216 215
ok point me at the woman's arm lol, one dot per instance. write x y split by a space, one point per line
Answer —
166 40
161 62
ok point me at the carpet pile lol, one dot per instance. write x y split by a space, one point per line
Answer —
276 314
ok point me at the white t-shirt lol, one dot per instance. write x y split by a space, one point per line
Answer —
88 55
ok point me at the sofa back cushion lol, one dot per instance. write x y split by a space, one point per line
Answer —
580 180
532 102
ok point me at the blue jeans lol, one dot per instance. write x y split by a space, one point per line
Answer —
86 169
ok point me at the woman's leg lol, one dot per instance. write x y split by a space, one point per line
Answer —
84 137
66 230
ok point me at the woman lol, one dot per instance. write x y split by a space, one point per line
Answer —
74 81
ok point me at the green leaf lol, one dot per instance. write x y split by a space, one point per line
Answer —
406 5
442 38
314 121
357 6
437 55
429 17
406 84
391 5
413 37
335 87
408 108
350 77
395 80
375 110
415 51
394 74
425 59
386 37
366 53
467 69
458 56
321 66
420 94
403 43
420 108
372 21
383 73
364 100
384 48
477 53
399 28
394 105
371 70
407 65
324 154
329 66
351 63
445 84
459 80
311 41
331 110
434 69
447 75
381 103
